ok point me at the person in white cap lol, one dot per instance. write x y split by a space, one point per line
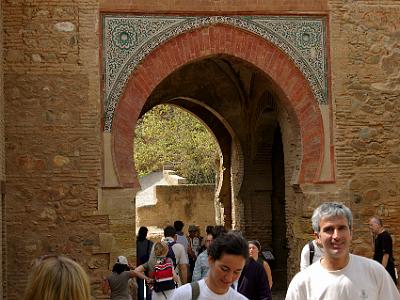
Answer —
118 281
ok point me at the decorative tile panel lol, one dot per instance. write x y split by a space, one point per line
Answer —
128 39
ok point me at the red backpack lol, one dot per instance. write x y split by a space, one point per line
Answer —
164 275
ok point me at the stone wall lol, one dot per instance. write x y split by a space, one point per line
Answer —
364 50
2 155
365 61
53 140
193 204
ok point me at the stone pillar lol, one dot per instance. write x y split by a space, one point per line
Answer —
119 205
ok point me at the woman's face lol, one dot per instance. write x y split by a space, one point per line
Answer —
253 250
224 271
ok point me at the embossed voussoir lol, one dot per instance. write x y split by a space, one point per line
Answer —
127 40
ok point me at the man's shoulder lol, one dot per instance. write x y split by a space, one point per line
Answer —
360 259
178 247
308 271
385 235
179 251
306 247
365 261
182 238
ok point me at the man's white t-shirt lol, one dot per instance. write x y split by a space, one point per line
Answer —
305 255
185 293
361 279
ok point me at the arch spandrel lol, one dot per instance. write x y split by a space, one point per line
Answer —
291 84
128 39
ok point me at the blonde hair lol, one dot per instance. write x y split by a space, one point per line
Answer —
160 249
57 278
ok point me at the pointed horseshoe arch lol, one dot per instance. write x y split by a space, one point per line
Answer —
293 89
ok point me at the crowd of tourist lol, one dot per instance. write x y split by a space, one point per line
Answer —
223 265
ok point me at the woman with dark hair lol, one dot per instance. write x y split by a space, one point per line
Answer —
253 282
143 249
226 257
254 252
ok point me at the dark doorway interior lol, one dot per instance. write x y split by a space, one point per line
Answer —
279 242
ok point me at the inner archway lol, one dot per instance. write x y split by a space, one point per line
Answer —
236 101
178 160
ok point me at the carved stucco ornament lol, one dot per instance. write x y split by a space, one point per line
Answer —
127 39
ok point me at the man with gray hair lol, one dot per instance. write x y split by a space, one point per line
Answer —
339 274
383 246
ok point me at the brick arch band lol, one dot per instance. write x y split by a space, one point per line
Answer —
293 89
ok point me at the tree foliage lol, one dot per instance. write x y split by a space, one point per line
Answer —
168 135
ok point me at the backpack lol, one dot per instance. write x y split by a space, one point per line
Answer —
171 253
312 251
195 290
163 275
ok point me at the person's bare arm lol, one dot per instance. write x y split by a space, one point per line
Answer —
269 273
373 236
176 277
385 260
139 272
183 273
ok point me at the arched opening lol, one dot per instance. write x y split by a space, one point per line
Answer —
289 83
238 103
178 159
243 95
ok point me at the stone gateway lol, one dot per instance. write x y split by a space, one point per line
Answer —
301 96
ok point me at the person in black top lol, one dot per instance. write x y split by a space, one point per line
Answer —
383 246
143 249
253 281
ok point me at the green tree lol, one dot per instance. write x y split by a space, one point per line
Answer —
168 135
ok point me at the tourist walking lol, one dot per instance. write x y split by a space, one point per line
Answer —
143 250
201 266
162 277
311 252
181 261
227 255
118 281
180 236
254 252
193 248
253 282
383 246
